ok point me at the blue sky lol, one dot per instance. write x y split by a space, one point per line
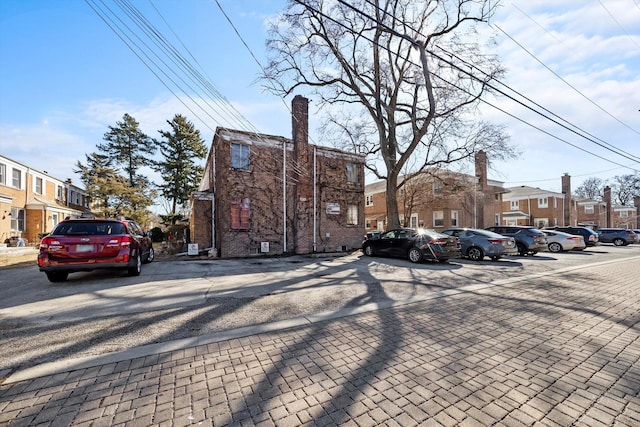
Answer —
65 77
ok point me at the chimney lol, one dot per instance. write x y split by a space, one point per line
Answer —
481 169
607 201
300 126
566 190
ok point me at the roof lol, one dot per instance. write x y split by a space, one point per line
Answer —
526 192
514 214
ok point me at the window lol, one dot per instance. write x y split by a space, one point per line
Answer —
54 219
496 218
438 188
240 156
555 202
368 200
543 202
438 219
515 205
39 185
542 222
240 213
588 209
454 218
367 223
352 215
17 219
414 221
3 174
624 214
60 193
16 178
352 173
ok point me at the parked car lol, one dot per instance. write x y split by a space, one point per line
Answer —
416 244
15 241
529 240
373 235
590 237
92 244
617 236
637 231
557 241
476 244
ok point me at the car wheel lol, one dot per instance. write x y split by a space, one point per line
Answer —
368 250
135 271
415 255
150 256
618 242
495 258
522 249
475 254
57 276
555 247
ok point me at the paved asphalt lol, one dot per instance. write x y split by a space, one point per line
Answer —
556 349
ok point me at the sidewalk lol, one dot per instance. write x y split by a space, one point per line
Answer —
556 350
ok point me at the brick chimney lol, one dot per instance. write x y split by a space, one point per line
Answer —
607 201
300 118
566 190
481 189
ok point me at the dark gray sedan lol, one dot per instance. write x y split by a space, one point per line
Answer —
416 244
475 244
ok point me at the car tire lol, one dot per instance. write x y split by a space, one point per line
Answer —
57 276
150 256
475 254
414 255
522 249
137 269
619 242
495 258
555 247
368 250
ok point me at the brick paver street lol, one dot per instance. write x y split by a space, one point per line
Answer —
558 350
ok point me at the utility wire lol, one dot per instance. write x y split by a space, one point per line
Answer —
396 33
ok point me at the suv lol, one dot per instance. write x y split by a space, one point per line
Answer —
617 236
529 240
590 236
92 244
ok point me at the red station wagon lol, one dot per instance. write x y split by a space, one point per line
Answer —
92 244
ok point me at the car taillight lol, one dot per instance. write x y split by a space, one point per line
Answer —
124 241
573 238
439 242
49 244
495 241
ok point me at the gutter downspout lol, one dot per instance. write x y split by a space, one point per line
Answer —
284 196
315 201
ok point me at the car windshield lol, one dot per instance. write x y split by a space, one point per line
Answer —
89 228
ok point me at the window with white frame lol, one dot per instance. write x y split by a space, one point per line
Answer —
438 218
368 200
16 178
589 209
352 173
414 221
515 205
555 202
496 219
17 219
240 156
38 185
543 202
60 193
367 223
54 219
454 218
3 174
624 214
352 215
438 188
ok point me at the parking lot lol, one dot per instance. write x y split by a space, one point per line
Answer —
101 312
545 340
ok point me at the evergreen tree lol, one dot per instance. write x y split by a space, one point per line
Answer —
128 147
180 148
98 177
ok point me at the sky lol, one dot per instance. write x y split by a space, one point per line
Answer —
66 76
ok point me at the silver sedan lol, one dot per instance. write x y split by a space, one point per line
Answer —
558 241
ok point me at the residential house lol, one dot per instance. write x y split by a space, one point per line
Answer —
537 207
439 199
270 195
32 202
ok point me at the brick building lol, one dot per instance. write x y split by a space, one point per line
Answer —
439 199
270 195
32 202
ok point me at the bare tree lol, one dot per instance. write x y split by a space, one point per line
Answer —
625 188
591 188
402 79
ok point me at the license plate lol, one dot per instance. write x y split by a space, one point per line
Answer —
84 248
